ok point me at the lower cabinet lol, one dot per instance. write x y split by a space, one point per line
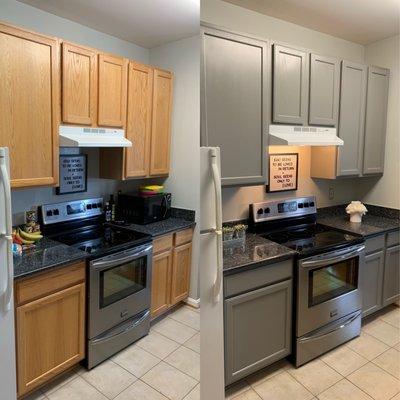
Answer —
161 283
50 325
182 257
391 280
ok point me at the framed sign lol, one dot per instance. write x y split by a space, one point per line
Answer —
73 174
283 172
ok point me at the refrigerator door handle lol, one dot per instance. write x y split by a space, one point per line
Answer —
7 195
10 274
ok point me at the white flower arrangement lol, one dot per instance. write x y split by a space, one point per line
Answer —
356 209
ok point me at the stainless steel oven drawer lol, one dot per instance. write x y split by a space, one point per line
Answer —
320 341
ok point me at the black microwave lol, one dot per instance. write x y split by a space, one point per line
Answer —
144 209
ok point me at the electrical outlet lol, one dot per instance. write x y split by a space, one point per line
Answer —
331 193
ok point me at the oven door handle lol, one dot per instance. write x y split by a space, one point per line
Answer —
113 260
323 260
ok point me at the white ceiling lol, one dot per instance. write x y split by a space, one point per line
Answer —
360 21
147 23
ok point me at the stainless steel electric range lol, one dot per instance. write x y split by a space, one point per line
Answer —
328 298
118 274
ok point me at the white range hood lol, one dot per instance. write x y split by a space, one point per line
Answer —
79 136
303 136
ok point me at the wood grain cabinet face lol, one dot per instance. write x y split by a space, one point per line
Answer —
138 127
391 281
182 260
324 90
161 283
50 336
161 123
30 105
112 91
290 85
79 84
375 120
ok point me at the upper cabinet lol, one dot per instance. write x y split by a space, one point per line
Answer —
79 84
324 90
290 85
375 121
235 104
30 105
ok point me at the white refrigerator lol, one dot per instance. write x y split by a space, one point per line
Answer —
7 335
211 282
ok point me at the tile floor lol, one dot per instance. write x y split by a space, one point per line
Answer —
165 365
366 368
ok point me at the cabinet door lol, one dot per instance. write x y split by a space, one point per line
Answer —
371 279
161 283
50 336
290 83
30 105
375 120
161 123
257 329
112 91
235 104
79 84
324 90
352 114
181 265
391 282
138 127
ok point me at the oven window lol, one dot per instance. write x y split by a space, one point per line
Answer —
331 281
121 281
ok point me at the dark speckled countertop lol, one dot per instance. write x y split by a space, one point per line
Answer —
46 255
253 252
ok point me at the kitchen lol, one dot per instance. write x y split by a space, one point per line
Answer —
95 99
300 136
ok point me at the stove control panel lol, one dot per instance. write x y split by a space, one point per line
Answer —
267 211
71 210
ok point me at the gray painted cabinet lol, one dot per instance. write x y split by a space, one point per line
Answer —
235 104
375 122
257 329
391 282
290 85
324 90
353 92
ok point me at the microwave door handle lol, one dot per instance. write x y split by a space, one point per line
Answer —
164 205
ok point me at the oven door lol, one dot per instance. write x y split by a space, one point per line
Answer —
119 288
328 287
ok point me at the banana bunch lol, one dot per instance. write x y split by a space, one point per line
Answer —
22 237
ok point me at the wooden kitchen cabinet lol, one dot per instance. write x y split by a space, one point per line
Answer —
391 280
182 259
79 84
50 325
30 105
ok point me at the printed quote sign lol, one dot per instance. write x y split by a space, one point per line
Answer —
282 172
73 174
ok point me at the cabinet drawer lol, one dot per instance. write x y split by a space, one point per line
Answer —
43 284
375 244
183 237
162 243
393 239
258 277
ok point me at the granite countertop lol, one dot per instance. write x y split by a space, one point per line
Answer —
47 254
255 250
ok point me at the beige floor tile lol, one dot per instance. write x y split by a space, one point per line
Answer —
392 316
77 389
268 372
397 347
187 316
383 331
174 330
194 343
194 394
186 360
236 389
248 395
282 387
375 381
109 378
344 360
157 344
397 397
316 376
390 362
343 390
169 381
136 360
140 391
367 346
59 382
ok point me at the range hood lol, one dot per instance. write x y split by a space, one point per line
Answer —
303 136
79 136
